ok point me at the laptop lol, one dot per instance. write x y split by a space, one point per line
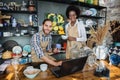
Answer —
69 67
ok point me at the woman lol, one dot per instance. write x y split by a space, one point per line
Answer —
75 30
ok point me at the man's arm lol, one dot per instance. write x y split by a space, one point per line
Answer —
49 61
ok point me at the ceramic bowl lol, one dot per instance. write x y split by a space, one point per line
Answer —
31 73
64 37
43 67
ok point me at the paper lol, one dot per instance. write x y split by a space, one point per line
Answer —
3 66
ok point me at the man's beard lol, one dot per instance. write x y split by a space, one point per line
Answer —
46 33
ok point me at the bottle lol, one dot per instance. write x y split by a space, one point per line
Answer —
29 58
30 20
74 52
14 23
81 0
30 2
95 2
23 6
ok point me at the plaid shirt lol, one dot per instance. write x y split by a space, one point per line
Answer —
35 43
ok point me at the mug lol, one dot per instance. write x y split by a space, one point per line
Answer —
1 34
58 46
43 67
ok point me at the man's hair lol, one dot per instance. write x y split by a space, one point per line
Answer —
46 20
72 8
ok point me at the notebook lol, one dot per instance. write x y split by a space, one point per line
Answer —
69 67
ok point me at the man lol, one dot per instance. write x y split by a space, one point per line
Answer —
41 45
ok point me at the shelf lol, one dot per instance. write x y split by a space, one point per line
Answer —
16 36
18 27
94 17
21 12
56 34
75 2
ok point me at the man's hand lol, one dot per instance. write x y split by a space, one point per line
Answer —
71 38
59 63
48 60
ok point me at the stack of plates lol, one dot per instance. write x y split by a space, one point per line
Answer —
17 50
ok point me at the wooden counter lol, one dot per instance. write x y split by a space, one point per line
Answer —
87 74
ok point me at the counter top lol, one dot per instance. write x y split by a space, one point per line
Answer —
86 74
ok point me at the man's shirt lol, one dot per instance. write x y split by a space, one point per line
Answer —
35 43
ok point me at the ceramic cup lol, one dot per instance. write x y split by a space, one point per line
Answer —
43 67
58 46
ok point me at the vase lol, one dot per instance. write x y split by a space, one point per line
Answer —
101 52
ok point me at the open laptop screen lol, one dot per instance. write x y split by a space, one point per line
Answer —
69 67
73 65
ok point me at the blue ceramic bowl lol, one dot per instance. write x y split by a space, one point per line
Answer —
115 59
117 43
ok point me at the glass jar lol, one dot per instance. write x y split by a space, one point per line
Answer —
74 52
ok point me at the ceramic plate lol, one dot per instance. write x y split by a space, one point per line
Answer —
17 49
88 12
89 22
9 44
94 11
27 48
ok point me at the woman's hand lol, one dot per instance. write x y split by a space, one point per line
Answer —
71 38
55 50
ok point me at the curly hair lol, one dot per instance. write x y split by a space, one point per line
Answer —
72 8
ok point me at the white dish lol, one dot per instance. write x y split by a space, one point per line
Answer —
89 22
17 34
24 53
17 49
43 67
31 73
88 12
94 11
64 37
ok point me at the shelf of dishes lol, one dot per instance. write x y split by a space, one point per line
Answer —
11 49
10 27
22 53
93 13
77 2
18 32
22 12
18 21
16 35
94 17
29 5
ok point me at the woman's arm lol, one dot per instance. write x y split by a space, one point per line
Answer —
82 32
